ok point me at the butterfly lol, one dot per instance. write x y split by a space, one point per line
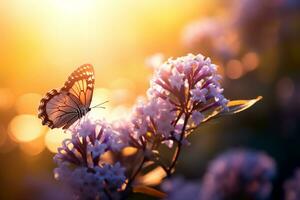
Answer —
60 109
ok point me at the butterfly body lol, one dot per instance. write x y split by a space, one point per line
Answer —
61 108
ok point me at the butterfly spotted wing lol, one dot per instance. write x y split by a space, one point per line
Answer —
62 108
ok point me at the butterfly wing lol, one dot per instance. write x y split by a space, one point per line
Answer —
81 84
62 108
59 109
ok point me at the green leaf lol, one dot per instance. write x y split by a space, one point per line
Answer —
149 191
234 107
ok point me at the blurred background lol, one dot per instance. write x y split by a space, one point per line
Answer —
255 43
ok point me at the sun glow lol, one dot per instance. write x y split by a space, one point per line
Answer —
112 110
25 128
54 138
28 103
6 99
74 6
42 41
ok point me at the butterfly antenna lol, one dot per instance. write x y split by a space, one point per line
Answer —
99 105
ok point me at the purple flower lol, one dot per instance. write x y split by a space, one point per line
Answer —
199 94
187 83
197 117
155 116
201 30
93 183
96 149
239 173
181 90
178 189
254 12
257 16
292 187
44 188
85 129
213 35
80 163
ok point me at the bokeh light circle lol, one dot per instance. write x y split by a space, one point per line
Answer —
25 128
250 61
234 69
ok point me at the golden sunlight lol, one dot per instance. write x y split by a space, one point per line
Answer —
54 138
6 99
2 135
34 147
25 128
74 5
101 95
28 103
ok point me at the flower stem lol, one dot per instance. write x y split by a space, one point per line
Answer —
107 191
137 171
178 149
128 188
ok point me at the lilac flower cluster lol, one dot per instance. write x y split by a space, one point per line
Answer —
237 174
213 35
182 92
292 187
186 86
81 167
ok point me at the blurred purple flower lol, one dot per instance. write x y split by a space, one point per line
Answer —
213 35
292 187
237 174
178 189
259 16
249 12
41 187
